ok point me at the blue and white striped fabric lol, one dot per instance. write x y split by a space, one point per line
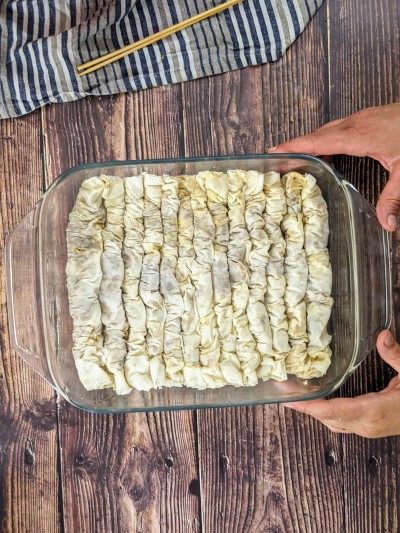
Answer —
42 42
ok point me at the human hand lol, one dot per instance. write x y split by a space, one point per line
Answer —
371 415
373 132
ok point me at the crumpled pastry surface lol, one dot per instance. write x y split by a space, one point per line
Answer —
310 355
84 275
275 210
113 316
296 270
201 281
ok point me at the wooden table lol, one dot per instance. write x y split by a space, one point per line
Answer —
261 469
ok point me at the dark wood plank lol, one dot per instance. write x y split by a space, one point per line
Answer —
364 59
87 131
264 471
264 468
123 473
28 421
243 482
295 90
154 123
313 468
224 114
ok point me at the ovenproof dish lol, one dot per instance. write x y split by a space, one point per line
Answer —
41 327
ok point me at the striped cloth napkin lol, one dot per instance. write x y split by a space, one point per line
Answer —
42 41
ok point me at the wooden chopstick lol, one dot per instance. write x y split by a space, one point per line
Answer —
100 62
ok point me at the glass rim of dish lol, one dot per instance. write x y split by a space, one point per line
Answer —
324 391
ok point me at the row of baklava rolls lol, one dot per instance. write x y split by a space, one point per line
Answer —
203 281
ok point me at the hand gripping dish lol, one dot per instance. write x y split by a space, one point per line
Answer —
144 282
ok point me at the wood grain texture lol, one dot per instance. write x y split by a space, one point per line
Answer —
265 469
261 469
313 473
243 482
153 122
28 422
123 473
223 115
87 131
295 91
365 72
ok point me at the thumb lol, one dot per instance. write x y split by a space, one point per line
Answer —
388 207
389 349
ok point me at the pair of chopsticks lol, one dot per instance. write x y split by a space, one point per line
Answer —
107 59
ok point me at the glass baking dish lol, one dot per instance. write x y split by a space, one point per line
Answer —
41 326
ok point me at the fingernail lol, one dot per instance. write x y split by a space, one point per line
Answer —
389 340
272 149
392 221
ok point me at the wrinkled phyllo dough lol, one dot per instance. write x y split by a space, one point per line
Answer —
296 271
308 277
275 210
149 286
115 326
137 364
199 281
239 247
190 322
259 324
216 187
169 286
84 275
319 285
201 274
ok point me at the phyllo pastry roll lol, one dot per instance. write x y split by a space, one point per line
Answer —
239 247
216 186
84 274
137 364
149 286
275 210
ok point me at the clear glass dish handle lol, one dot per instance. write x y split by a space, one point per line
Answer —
373 272
23 293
